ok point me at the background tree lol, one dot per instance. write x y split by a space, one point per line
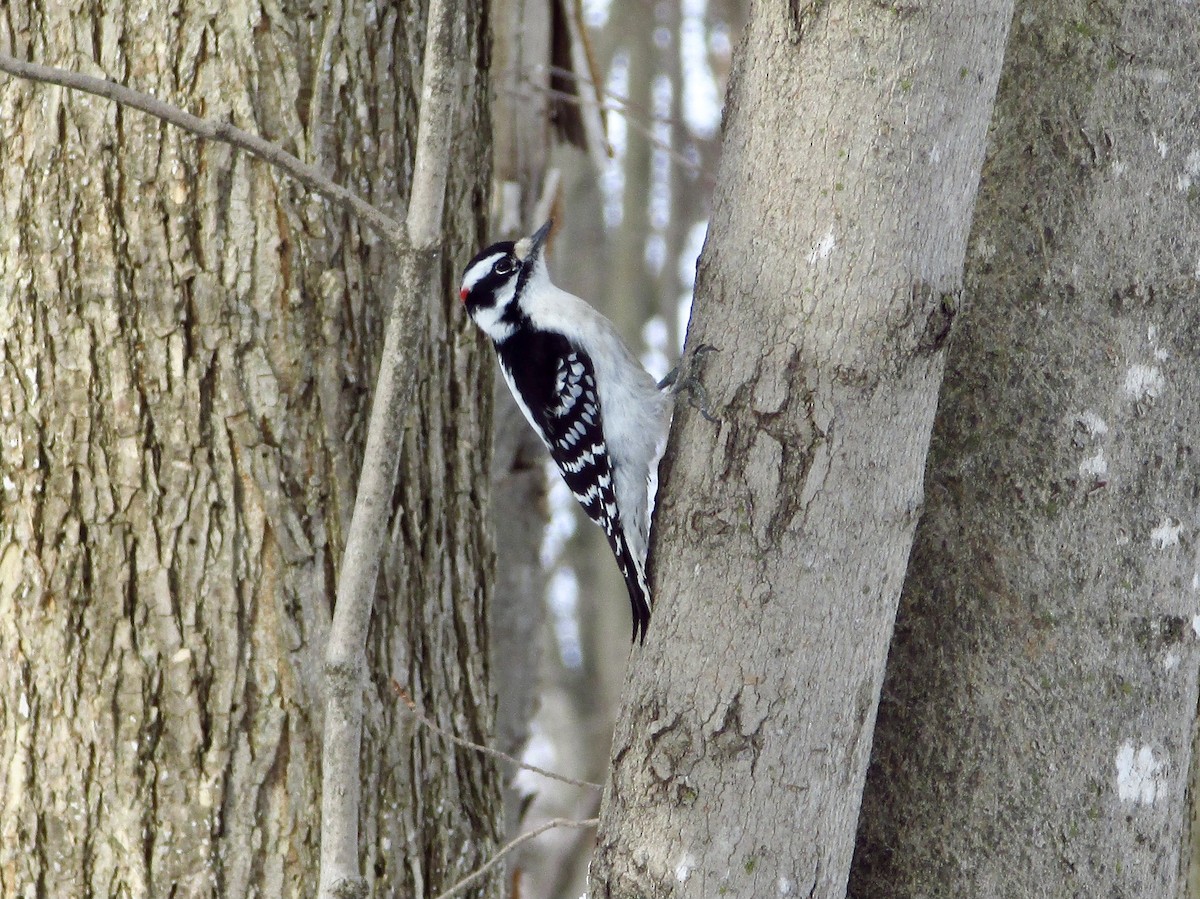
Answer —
626 237
188 348
853 139
1035 732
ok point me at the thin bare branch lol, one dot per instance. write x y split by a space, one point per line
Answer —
515 844
642 129
345 657
387 227
487 750
590 109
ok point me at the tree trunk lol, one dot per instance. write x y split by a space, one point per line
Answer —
1035 735
188 346
853 138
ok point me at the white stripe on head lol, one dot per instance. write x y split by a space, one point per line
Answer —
476 272
488 317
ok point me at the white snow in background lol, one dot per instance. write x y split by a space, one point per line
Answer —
822 249
612 181
595 13
655 253
1196 625
563 596
539 752
656 336
787 886
1140 776
692 246
1144 381
659 208
1094 423
1166 534
662 94
685 866
1171 661
683 315
561 526
1196 581
1095 466
691 252
701 108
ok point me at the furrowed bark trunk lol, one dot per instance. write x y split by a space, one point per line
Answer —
1035 733
853 139
188 345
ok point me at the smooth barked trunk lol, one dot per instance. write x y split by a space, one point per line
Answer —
854 136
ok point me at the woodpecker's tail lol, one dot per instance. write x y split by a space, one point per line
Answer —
635 583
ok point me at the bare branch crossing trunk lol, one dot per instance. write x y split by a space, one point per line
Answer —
853 139
1035 733
188 343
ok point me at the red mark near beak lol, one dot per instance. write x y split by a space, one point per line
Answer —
462 294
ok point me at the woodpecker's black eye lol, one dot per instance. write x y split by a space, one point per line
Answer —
505 266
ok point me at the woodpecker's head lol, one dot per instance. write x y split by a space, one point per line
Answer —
497 278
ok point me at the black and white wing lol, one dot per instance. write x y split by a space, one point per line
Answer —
566 412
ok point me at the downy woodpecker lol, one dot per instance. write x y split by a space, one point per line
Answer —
586 395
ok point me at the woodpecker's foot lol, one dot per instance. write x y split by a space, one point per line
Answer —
678 381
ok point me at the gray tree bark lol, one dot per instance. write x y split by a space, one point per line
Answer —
1035 733
188 345
853 139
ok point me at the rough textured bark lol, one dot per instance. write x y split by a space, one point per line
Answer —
188 344
1035 733
854 136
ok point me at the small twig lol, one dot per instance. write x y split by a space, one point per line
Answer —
621 105
487 750
388 228
592 111
580 31
644 130
419 290
515 844
604 93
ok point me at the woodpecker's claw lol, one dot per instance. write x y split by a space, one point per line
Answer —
697 395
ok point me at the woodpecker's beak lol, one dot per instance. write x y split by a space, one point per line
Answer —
540 235
528 249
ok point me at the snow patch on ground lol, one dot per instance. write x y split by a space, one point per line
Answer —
1144 381
685 866
1141 776
1171 661
1166 534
